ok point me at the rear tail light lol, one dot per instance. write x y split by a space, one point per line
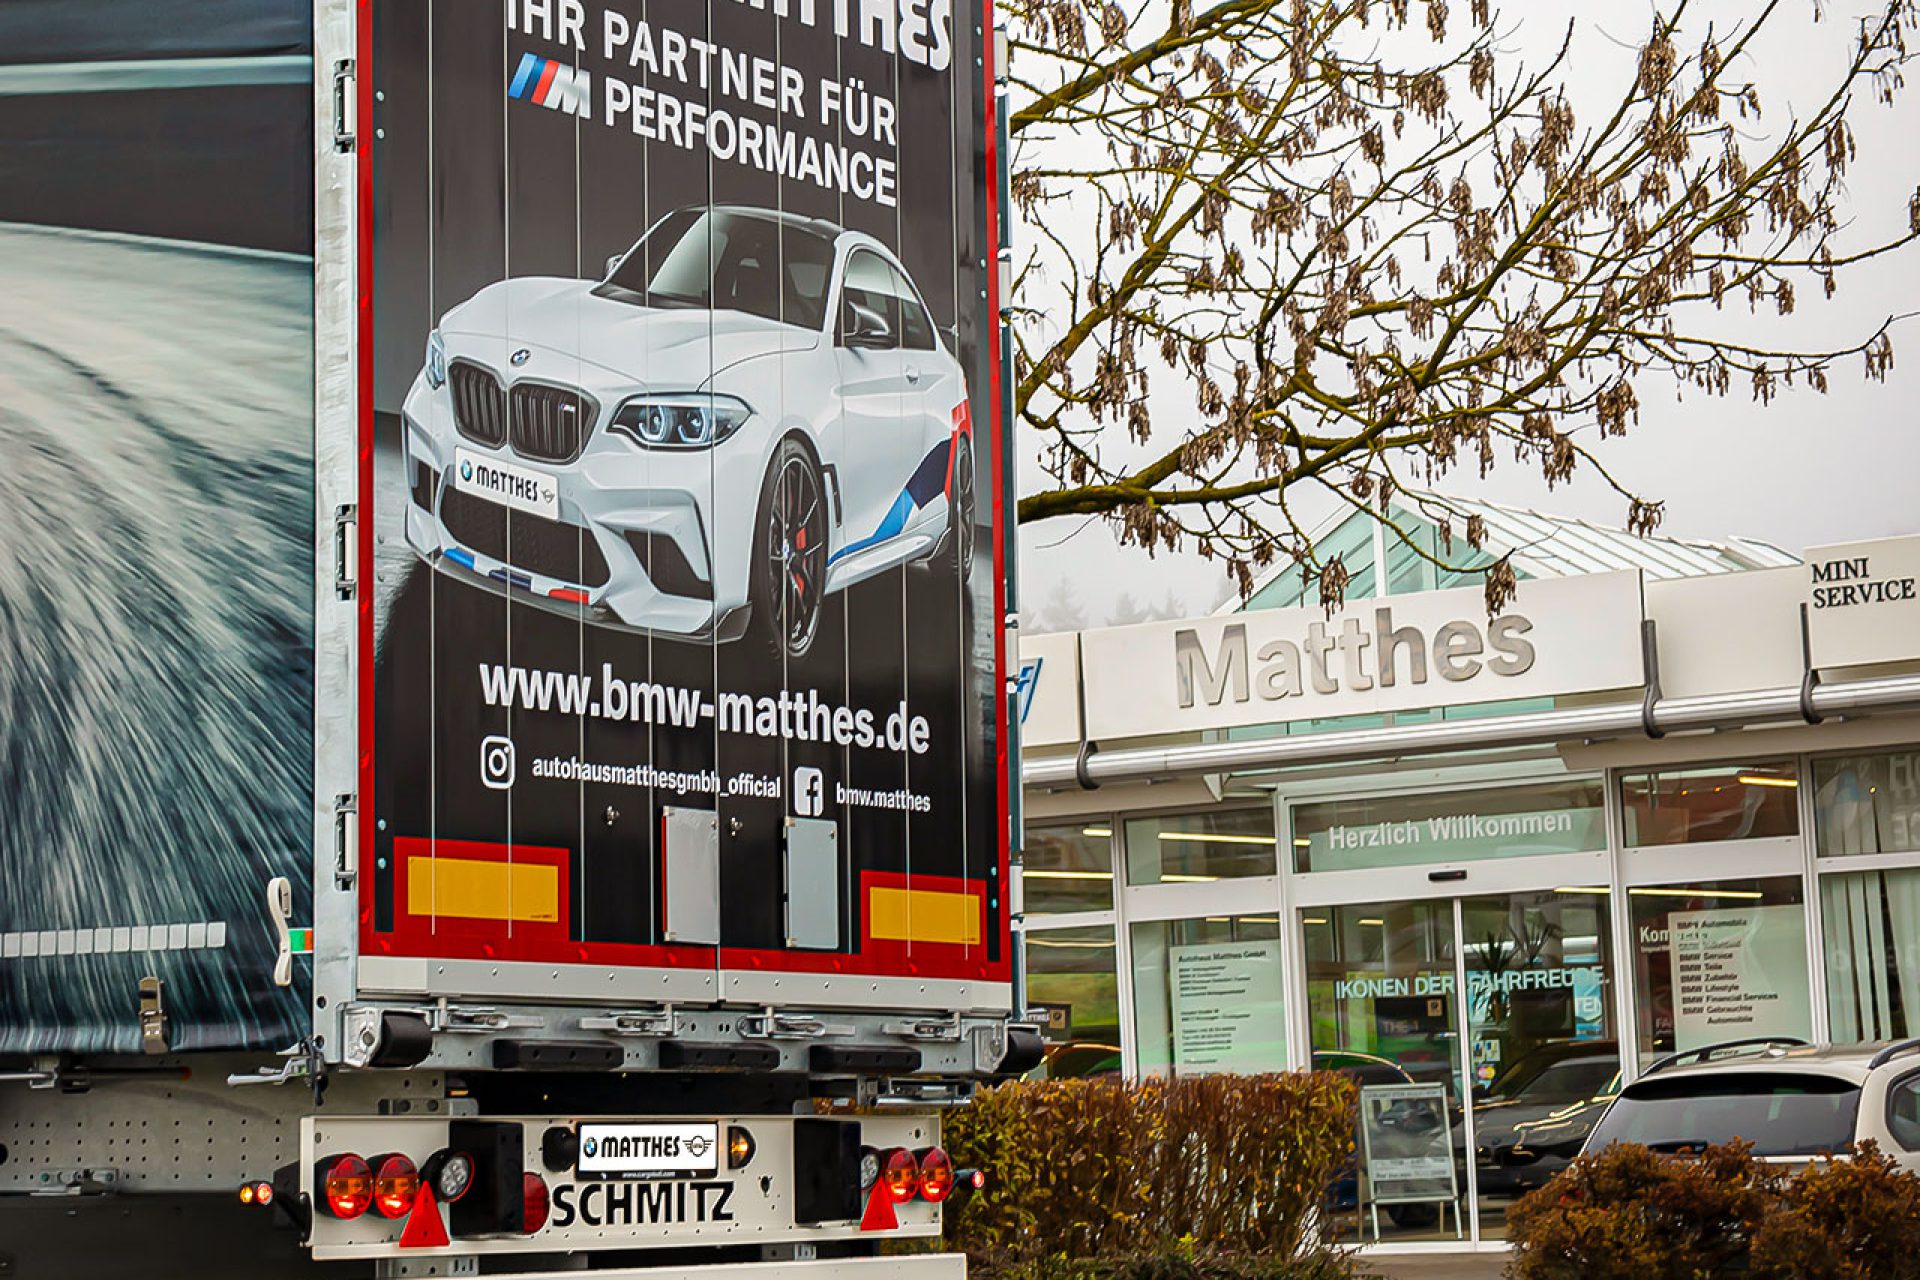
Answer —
901 1175
346 1186
533 1189
395 1184
936 1174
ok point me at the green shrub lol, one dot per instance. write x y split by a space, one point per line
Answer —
1192 1172
1628 1214
1319 1265
1856 1219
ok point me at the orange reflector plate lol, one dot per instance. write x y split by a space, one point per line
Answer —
471 889
924 915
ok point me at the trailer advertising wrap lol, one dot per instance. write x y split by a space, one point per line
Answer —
682 648
156 521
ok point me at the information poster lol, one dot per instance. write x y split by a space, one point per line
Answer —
1738 972
1227 1007
1404 1133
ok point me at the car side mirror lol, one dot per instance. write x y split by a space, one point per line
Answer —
865 327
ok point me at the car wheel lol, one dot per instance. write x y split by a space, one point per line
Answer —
789 574
960 530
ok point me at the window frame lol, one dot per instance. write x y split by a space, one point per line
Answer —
1911 1077
839 317
910 299
1800 839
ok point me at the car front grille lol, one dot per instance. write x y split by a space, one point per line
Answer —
544 423
479 404
550 424
533 543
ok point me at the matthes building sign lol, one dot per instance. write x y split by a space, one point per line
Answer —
1400 653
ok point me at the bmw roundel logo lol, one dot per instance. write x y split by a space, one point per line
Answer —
519 357
588 1147
466 470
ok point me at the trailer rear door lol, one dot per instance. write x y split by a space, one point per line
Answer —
678 474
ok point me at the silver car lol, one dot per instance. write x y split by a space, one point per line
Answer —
751 411
1794 1102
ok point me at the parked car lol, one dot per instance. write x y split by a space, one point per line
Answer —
1794 1102
751 411
1535 1116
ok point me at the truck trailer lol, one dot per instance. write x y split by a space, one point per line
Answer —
509 762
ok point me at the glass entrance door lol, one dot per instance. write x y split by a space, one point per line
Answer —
1540 1036
1465 1104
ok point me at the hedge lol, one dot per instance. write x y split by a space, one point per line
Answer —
1177 1177
1627 1213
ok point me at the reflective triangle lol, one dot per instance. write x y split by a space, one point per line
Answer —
880 1215
424 1229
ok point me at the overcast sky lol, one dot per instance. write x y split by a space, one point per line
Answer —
1806 470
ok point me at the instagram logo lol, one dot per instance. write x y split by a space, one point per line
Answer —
496 762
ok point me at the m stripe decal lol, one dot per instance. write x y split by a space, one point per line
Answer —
529 67
546 83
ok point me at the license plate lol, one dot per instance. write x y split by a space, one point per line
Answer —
521 488
650 1150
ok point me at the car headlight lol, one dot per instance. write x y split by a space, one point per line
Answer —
686 420
436 361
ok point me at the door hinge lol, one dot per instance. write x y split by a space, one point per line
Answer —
343 105
346 522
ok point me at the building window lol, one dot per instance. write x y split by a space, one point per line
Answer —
1073 988
1068 868
1719 961
1207 995
1380 991
1872 926
1727 802
1219 844
1867 804
1496 822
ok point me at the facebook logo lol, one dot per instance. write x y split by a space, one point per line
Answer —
809 792
1025 683
552 85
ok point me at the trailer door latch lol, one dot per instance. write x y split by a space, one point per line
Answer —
346 520
344 806
343 105
153 1017
635 1022
772 1025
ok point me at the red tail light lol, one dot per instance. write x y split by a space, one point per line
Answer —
901 1174
395 1184
936 1175
533 1190
346 1186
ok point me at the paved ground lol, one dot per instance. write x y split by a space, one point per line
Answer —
1436 1266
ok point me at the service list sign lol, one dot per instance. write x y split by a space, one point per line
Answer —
681 469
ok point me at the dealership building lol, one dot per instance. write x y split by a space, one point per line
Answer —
1668 797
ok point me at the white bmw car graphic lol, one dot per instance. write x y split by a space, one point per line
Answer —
752 411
